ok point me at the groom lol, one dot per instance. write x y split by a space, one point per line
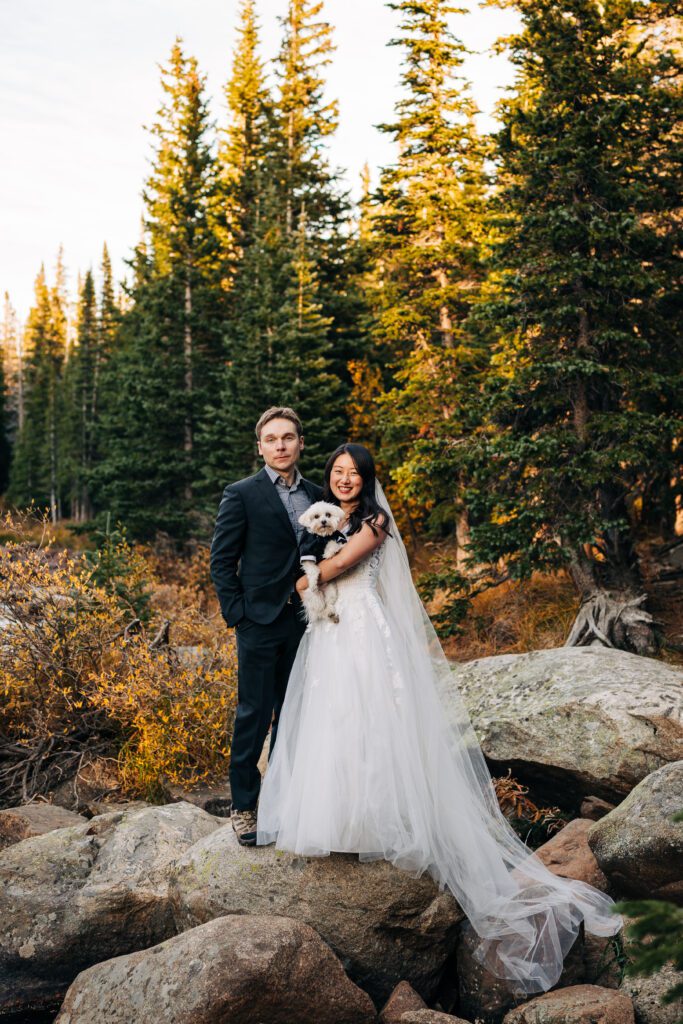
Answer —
254 566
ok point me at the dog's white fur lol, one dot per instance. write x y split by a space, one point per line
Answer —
322 519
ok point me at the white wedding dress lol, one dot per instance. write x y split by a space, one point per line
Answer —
375 755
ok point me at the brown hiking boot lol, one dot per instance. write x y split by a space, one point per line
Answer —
244 824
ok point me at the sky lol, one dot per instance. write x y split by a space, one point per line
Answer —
79 80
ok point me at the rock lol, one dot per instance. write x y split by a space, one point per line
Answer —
383 924
403 998
484 997
81 894
239 969
95 807
595 808
602 960
17 823
216 800
637 845
568 854
574 721
646 994
430 1017
580 1004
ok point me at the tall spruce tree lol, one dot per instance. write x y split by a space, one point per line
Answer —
77 435
163 372
13 369
35 474
311 201
427 230
291 299
583 398
300 372
109 315
247 226
305 118
5 449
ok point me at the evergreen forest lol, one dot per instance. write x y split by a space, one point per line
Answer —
498 318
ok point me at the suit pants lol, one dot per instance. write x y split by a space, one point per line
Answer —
265 655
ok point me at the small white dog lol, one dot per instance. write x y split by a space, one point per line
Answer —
322 540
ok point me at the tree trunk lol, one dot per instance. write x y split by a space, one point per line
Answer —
462 538
609 618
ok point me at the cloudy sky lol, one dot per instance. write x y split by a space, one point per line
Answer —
79 80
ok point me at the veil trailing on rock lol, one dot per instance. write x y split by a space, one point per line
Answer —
526 917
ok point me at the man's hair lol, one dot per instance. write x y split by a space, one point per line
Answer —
279 412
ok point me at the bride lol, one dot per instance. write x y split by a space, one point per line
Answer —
376 755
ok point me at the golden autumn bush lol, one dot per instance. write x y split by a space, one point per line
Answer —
80 676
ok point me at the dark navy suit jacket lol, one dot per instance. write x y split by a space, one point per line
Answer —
254 552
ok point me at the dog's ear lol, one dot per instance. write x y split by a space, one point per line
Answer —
306 518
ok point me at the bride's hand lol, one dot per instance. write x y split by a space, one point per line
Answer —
302 584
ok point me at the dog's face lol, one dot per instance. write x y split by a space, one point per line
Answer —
322 518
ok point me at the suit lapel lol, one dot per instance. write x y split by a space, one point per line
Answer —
274 500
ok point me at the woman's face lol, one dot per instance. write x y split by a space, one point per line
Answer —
346 483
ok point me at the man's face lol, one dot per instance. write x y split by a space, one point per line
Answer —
280 445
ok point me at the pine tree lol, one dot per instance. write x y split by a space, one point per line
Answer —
13 369
290 297
243 146
582 401
163 372
428 237
300 373
35 470
305 121
247 209
305 118
79 391
109 315
5 450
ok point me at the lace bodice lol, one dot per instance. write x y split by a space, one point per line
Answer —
364 575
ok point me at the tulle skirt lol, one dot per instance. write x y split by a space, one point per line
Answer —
365 762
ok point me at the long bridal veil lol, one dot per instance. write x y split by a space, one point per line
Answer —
526 917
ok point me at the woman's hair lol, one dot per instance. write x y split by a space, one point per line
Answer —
367 511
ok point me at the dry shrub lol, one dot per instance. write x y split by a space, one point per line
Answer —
186 739
78 676
534 824
175 710
515 617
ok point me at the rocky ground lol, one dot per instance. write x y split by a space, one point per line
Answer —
140 913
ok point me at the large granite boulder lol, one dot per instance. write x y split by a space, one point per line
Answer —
239 969
402 999
637 845
81 894
575 721
646 994
580 1004
384 925
568 854
17 823
430 1017
486 998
